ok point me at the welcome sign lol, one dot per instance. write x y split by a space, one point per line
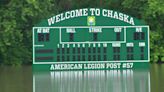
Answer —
90 38
91 12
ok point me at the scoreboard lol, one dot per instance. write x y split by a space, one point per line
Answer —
90 41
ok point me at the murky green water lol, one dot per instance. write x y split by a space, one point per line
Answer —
16 79
22 79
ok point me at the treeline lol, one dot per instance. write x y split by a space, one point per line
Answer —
17 17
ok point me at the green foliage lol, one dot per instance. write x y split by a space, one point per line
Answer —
154 15
17 17
152 12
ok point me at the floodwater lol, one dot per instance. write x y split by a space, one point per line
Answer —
22 79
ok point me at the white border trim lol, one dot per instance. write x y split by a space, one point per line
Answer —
125 34
33 45
64 42
76 62
59 35
92 26
90 42
148 43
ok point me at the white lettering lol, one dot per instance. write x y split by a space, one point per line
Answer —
115 15
104 12
93 12
57 18
94 66
113 65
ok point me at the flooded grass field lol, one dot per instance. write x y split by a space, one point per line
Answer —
23 79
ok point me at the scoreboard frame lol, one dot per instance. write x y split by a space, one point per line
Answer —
51 65
90 43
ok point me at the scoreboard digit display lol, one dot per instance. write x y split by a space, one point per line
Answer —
90 38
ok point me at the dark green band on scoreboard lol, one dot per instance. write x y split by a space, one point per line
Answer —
90 38
90 66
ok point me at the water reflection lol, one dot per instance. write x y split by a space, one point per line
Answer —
92 81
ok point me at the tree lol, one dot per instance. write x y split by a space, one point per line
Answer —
18 18
152 12
154 16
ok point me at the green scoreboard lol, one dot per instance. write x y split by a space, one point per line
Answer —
90 38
